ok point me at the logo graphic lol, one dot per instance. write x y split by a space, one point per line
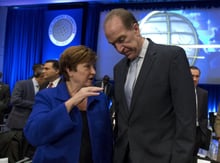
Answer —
62 30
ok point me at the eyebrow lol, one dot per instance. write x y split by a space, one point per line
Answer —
117 40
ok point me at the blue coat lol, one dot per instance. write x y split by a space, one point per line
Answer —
57 133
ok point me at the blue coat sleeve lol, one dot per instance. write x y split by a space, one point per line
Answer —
48 121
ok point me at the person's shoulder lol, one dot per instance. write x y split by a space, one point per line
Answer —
121 63
165 51
23 82
153 43
20 82
202 90
160 46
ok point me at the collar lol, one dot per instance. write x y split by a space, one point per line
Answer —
144 49
55 82
35 82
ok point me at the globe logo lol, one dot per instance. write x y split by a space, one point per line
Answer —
172 29
62 30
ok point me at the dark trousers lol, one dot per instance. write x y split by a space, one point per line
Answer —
127 158
202 140
198 140
14 145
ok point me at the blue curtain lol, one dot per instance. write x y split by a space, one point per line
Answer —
91 27
23 43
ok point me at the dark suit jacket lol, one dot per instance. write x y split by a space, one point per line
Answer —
4 100
202 95
109 90
202 108
4 96
22 100
160 125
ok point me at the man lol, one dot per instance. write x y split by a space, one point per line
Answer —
203 135
108 90
22 100
4 99
107 87
52 73
155 113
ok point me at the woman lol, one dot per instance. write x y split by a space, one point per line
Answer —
71 123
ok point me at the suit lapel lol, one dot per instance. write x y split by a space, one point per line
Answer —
123 75
144 72
31 87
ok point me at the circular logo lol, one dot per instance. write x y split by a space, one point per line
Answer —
62 30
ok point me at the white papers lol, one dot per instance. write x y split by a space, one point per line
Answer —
203 161
3 160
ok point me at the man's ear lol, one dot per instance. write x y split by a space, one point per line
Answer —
136 27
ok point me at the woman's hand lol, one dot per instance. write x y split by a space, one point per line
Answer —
82 94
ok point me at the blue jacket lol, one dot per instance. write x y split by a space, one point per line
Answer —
57 133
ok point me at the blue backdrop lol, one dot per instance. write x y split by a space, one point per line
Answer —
52 51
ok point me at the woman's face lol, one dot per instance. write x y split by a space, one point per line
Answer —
84 74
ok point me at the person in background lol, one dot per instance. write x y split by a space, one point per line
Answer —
107 87
52 73
4 99
70 123
154 96
37 71
22 100
217 131
203 134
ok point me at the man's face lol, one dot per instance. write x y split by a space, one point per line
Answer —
195 76
126 42
50 74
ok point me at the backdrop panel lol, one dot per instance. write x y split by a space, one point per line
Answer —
195 30
62 28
